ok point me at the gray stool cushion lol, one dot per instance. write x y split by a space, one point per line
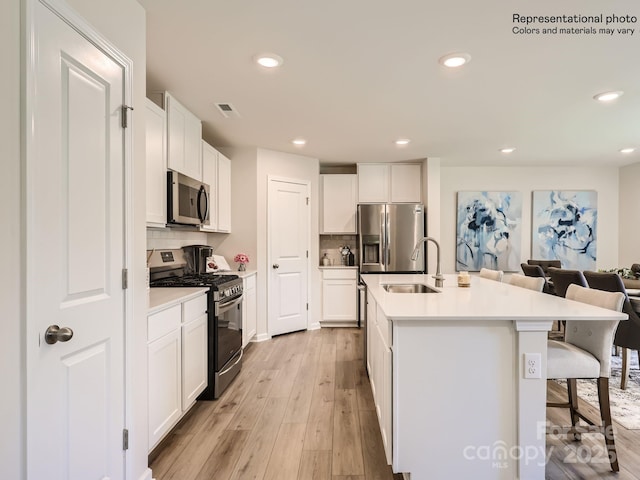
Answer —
565 360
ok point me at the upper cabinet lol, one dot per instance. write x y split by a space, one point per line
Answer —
389 183
216 172
339 201
156 155
184 137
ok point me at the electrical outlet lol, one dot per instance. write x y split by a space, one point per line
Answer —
532 365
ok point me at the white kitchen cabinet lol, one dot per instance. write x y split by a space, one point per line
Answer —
177 362
224 194
184 136
194 350
379 363
373 183
339 296
156 157
339 203
406 183
216 172
165 372
389 183
249 309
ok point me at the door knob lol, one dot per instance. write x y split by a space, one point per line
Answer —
55 334
275 265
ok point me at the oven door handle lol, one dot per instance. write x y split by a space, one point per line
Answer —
220 310
236 363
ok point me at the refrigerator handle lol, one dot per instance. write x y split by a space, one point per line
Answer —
383 241
387 253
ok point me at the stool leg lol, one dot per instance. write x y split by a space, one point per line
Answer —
572 391
605 414
624 374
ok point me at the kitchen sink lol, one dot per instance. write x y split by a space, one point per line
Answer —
408 288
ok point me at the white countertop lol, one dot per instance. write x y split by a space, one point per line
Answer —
483 300
338 267
240 273
161 298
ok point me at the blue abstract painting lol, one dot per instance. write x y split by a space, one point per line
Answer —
489 231
565 227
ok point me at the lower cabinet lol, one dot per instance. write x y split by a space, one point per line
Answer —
380 362
177 360
339 296
249 310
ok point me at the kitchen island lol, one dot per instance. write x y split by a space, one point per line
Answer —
447 372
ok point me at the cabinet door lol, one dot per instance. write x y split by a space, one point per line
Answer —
194 360
339 201
406 183
386 423
210 177
164 381
184 137
339 300
224 194
156 156
373 183
249 311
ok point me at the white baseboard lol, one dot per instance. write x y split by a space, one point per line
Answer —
261 337
339 323
147 475
314 326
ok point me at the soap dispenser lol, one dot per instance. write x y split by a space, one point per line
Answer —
325 260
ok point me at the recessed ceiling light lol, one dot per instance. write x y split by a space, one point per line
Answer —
402 141
607 96
627 150
299 141
269 60
455 59
507 150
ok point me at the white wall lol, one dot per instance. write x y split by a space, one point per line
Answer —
527 179
123 23
629 241
12 442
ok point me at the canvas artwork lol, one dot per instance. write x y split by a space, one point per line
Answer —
489 231
565 227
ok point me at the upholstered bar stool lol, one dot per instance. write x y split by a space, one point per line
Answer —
531 283
562 278
545 264
586 353
628 333
491 274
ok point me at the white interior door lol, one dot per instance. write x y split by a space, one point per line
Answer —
288 251
75 255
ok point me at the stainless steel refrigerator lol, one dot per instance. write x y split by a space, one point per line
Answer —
387 234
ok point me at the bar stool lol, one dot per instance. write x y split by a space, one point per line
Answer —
491 274
586 353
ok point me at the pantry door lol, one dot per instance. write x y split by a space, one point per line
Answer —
76 150
288 227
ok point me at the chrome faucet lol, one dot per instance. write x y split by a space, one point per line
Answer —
416 251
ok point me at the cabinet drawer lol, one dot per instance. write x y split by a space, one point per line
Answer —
163 322
250 282
194 308
384 325
339 274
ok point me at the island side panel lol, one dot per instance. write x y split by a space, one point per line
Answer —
455 399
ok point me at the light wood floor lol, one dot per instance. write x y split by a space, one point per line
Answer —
302 409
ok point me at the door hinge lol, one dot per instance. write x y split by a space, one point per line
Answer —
125 439
307 253
125 115
125 278
307 200
307 305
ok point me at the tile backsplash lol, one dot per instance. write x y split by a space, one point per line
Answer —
165 238
330 244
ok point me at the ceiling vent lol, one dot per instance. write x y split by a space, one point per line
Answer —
227 110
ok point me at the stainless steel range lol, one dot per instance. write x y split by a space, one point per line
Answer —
168 268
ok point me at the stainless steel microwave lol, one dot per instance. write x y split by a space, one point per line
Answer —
187 200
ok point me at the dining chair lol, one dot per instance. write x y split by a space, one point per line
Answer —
537 271
531 283
562 278
586 353
491 274
545 264
628 333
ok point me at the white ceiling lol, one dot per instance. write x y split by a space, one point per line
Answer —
358 74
